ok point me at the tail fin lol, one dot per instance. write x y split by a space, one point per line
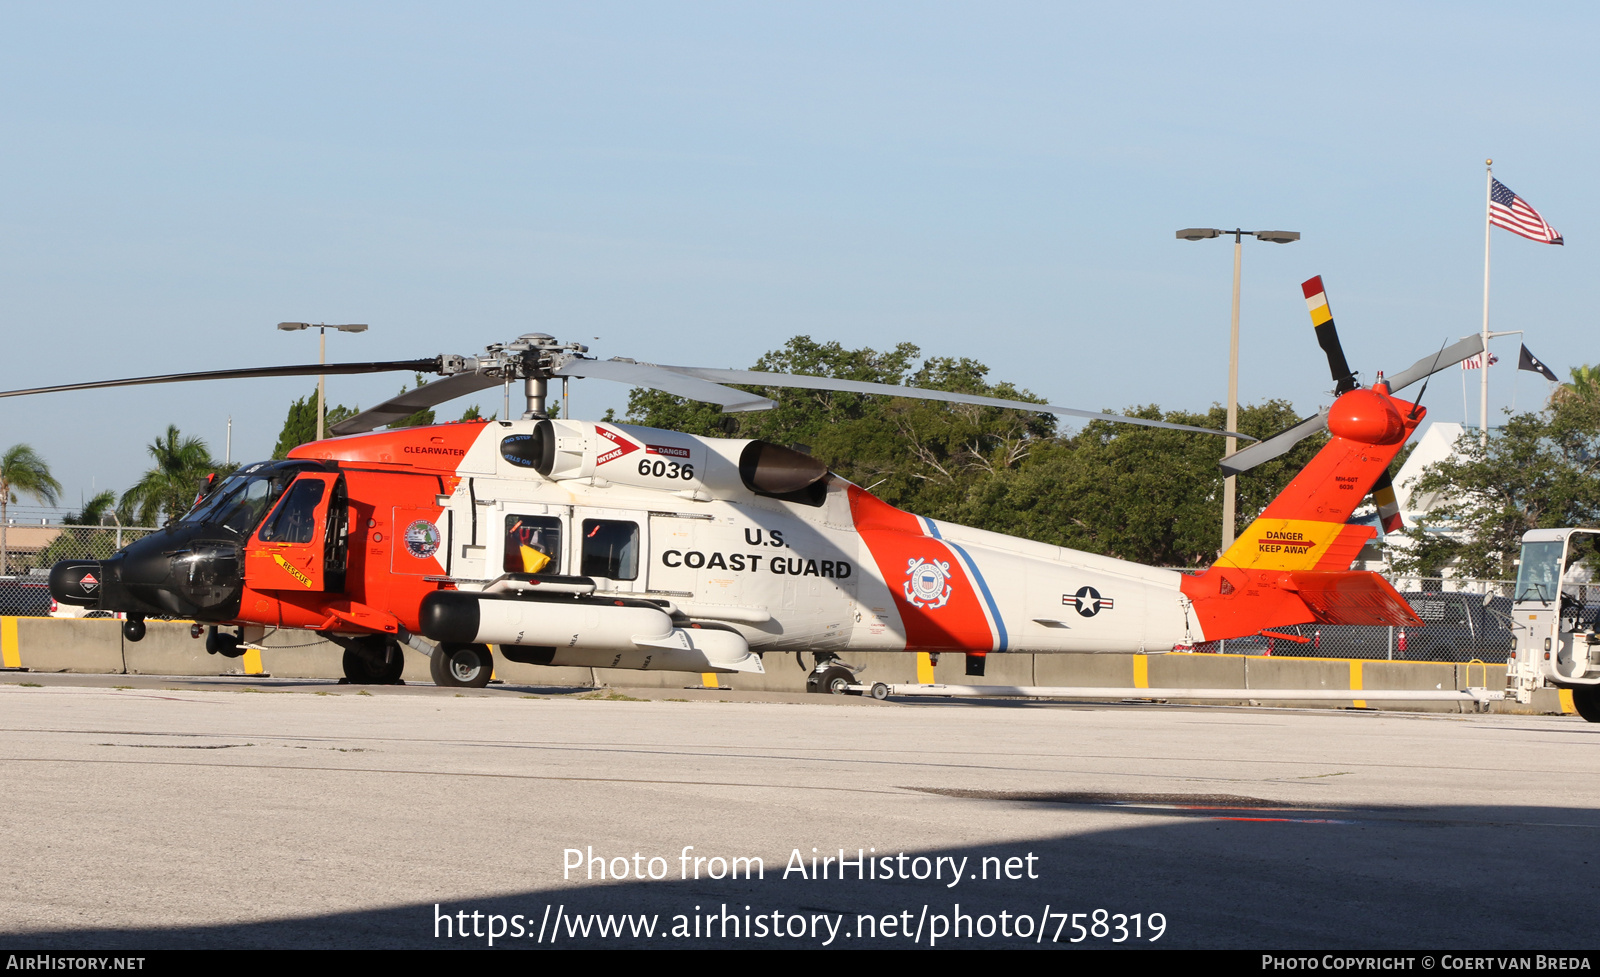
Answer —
1292 564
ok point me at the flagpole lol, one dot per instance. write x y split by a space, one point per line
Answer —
1483 403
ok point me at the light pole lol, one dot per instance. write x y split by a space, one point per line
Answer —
1229 487
322 355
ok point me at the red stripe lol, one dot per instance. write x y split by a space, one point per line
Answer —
1311 286
896 541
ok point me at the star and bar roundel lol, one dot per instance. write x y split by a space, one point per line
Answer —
1088 601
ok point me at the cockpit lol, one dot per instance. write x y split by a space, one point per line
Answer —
194 567
238 504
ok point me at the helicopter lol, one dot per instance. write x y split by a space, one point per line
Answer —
563 542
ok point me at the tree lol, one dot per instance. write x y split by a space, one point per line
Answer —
1540 471
300 427
85 540
22 470
170 487
94 511
1145 494
1584 386
920 455
1138 493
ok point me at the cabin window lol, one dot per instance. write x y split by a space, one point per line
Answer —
533 544
610 549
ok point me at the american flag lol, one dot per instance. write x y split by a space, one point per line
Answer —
1476 362
1511 212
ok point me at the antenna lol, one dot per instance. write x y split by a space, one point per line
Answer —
1417 404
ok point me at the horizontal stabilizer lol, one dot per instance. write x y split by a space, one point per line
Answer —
1352 597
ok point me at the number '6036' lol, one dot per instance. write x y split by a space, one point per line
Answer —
665 469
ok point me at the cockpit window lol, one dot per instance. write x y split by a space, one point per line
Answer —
240 502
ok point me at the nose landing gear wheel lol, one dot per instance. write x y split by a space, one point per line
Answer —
461 666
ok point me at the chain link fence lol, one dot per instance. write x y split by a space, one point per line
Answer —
1462 620
27 552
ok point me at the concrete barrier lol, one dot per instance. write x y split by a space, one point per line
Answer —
167 649
1106 671
1189 671
82 645
97 645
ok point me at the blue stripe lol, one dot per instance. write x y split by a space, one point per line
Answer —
983 585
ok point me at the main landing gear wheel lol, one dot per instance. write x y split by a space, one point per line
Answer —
1587 701
461 666
833 680
374 663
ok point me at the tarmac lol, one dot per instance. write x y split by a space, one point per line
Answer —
149 812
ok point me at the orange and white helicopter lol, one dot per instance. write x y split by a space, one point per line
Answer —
567 542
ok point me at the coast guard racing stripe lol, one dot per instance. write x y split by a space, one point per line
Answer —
939 605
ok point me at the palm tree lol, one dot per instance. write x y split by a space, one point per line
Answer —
1584 388
170 486
22 470
94 511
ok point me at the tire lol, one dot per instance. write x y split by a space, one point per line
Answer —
393 665
374 663
833 680
356 670
1587 701
461 666
880 691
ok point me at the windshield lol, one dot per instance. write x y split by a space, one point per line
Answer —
1539 577
238 503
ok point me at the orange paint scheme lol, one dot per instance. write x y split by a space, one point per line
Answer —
1292 564
393 480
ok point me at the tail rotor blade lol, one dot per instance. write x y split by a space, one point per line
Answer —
1388 506
1327 334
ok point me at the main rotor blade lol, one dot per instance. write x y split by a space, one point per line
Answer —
1279 444
800 380
674 380
1442 360
310 370
408 403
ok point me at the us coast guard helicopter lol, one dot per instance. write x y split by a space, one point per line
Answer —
567 542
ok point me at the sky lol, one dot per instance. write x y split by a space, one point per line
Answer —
696 183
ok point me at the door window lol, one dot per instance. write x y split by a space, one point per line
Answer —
533 544
610 549
295 520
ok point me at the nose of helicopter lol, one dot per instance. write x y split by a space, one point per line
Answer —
78 582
